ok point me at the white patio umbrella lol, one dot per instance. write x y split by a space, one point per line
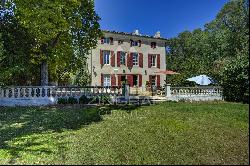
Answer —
201 80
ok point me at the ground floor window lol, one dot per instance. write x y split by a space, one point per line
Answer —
106 80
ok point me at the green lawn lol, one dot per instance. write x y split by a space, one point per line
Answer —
168 133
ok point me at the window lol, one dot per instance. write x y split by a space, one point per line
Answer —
135 59
120 42
106 80
153 60
153 83
135 43
106 57
139 43
106 40
123 58
153 44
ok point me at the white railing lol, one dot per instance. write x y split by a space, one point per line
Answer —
207 91
201 93
56 91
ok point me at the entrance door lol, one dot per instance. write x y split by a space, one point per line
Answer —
135 80
123 78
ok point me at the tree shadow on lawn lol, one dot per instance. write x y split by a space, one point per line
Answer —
19 123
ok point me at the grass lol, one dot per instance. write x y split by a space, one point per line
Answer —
168 133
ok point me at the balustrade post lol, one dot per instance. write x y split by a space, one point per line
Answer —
13 92
168 90
126 91
46 92
30 92
18 93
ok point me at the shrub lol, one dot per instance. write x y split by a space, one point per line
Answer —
72 100
62 101
84 100
105 99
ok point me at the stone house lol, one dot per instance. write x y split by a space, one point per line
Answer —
128 56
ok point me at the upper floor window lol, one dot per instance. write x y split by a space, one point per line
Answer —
135 59
120 42
123 58
153 60
135 43
106 57
153 44
107 40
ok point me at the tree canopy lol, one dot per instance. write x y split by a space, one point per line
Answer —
60 35
220 50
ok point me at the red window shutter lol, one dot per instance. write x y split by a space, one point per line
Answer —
158 80
141 60
118 59
102 40
101 79
119 80
113 80
131 59
149 60
158 61
101 57
130 80
112 59
140 80
128 60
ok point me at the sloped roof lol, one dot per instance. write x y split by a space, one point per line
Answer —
131 34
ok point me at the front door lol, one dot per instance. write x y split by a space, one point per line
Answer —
123 78
135 80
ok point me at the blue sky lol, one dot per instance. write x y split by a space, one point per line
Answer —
170 17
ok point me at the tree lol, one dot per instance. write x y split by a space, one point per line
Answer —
58 27
15 65
221 51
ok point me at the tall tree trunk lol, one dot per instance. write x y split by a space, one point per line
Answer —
44 74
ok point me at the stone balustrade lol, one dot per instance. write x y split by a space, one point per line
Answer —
196 93
46 95
56 91
213 90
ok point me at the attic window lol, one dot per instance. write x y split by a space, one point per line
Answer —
107 40
120 42
153 44
135 43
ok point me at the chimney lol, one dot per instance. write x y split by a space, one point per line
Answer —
158 34
136 32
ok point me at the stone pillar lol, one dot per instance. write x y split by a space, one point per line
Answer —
13 92
168 90
46 91
126 91
18 92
